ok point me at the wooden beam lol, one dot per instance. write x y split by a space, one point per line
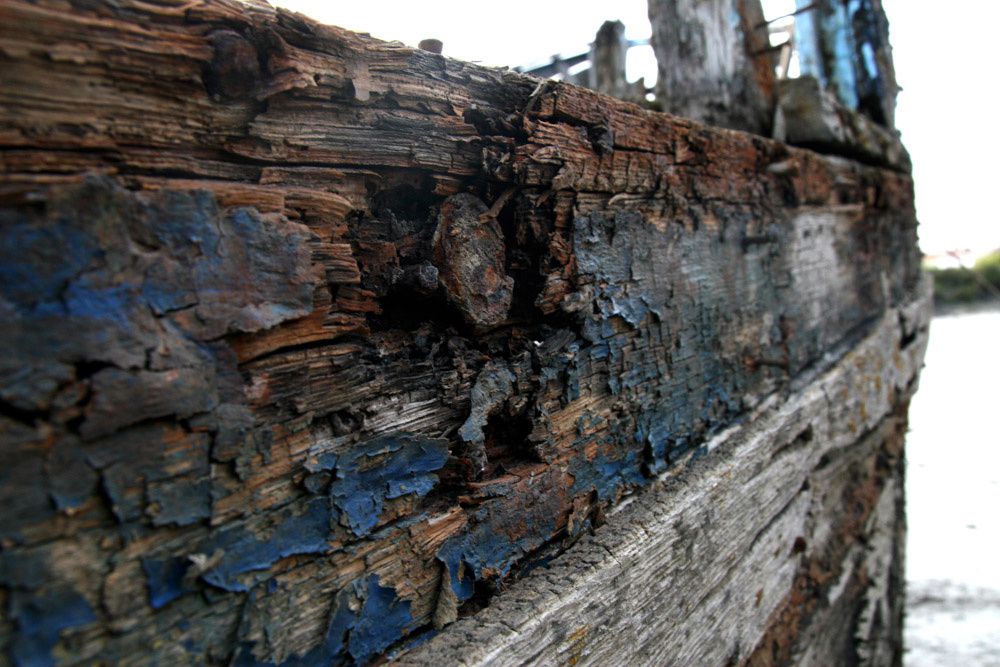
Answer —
746 555
311 342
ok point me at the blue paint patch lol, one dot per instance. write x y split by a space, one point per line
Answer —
480 554
37 263
137 478
324 462
494 385
181 503
657 436
599 351
164 297
20 569
245 552
668 363
71 480
113 304
165 579
499 536
182 218
383 619
807 42
461 576
380 620
40 618
382 469
607 475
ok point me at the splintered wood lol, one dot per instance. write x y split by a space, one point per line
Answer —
312 345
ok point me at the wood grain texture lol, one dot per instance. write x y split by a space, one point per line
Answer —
798 508
715 62
254 408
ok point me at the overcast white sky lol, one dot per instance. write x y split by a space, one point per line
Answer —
945 61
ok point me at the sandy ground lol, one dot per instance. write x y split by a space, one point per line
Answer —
953 497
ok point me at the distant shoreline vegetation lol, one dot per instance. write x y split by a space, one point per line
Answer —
963 285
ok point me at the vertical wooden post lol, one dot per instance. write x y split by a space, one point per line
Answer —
607 60
844 44
714 62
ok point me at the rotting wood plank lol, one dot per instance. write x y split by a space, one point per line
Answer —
246 417
741 528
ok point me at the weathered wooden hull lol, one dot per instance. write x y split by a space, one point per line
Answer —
782 545
312 344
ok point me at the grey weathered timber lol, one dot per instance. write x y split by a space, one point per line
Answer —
715 64
606 74
313 345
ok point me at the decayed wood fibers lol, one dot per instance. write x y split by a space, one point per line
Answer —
746 555
243 417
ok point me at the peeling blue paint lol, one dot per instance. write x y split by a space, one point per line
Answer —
493 386
607 475
245 552
165 579
71 481
40 618
477 554
37 263
111 304
400 466
324 462
383 620
668 363
139 479
608 248
181 502
366 619
498 537
382 469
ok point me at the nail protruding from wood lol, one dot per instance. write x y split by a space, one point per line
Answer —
431 45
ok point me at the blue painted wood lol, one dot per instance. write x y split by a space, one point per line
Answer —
838 39
807 42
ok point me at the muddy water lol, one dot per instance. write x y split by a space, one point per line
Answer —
953 497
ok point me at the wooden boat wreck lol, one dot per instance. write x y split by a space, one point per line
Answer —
318 349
